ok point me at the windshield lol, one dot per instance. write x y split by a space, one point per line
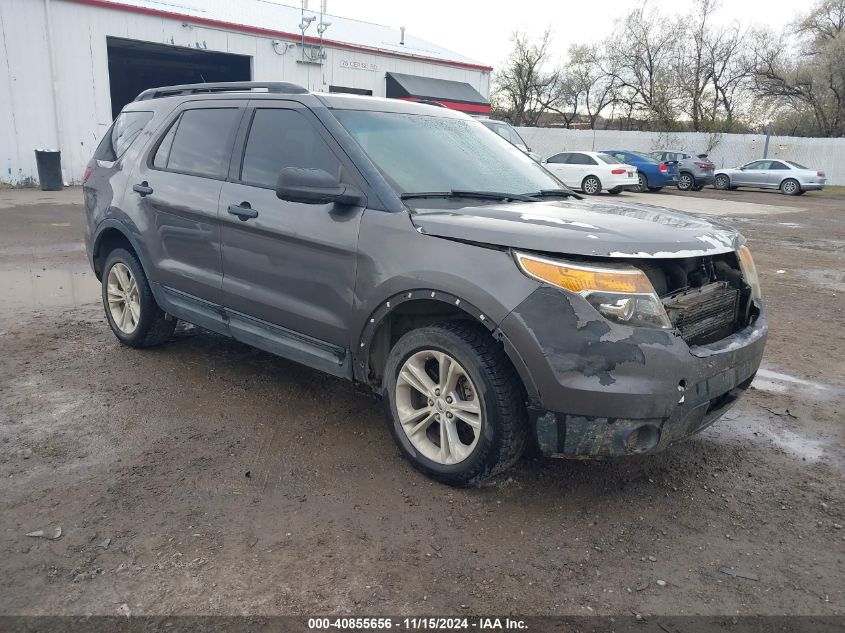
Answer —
419 153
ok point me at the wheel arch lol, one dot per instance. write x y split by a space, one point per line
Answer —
408 310
112 234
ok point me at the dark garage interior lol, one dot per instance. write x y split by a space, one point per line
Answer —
135 66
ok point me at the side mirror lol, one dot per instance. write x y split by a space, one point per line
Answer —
315 186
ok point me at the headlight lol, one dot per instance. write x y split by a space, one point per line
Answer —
749 271
620 293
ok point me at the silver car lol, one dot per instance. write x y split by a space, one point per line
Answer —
788 176
509 133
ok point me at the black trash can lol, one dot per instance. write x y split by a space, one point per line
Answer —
49 163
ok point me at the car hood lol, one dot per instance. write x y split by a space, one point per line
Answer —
580 227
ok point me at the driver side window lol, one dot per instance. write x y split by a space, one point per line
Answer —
281 138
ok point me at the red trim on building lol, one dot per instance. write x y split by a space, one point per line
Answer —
107 4
476 108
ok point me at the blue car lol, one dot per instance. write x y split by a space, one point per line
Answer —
652 174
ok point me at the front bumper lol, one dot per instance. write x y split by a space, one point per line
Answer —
604 389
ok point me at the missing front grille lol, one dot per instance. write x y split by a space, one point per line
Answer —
704 315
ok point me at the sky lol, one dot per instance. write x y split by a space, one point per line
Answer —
481 30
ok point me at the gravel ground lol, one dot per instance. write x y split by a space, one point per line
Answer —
205 477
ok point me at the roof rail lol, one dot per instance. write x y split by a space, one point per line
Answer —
278 87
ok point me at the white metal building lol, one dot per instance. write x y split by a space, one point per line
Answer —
69 66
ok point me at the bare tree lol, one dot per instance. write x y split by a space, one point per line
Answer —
594 86
641 56
814 80
523 85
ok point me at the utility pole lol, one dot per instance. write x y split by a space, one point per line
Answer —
768 136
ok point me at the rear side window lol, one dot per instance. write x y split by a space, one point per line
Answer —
198 143
125 129
582 159
281 138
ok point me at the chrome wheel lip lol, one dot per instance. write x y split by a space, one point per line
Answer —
123 300
431 413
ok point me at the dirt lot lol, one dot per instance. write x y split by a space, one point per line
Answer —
205 477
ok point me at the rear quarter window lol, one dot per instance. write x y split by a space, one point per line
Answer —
125 129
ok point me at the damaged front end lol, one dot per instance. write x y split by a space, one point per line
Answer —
623 365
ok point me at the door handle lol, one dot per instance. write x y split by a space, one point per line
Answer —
142 189
243 211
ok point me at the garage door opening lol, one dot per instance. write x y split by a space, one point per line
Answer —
135 66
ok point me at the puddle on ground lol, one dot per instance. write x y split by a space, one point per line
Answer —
827 279
34 289
744 422
777 382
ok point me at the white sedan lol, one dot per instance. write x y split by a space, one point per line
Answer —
592 171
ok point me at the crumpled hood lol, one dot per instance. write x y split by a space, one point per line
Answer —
581 227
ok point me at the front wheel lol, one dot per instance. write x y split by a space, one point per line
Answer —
722 182
642 184
131 309
790 187
686 182
455 405
591 186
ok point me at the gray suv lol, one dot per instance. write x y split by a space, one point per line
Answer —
409 249
694 172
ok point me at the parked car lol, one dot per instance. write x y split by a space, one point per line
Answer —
592 171
652 174
790 177
694 171
403 247
509 133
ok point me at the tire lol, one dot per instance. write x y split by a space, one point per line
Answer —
642 183
615 191
146 325
790 187
722 182
655 189
591 185
801 193
686 181
698 188
488 382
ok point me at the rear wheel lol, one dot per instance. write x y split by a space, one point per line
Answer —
455 404
686 182
722 182
131 309
591 186
790 187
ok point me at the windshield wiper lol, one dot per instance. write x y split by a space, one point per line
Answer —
553 193
481 195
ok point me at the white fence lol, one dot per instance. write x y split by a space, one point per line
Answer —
725 150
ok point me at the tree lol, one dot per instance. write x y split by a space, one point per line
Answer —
813 81
641 59
594 87
522 87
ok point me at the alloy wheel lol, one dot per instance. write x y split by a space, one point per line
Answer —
789 187
685 182
123 298
591 186
438 407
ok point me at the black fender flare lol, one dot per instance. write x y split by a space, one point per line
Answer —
361 347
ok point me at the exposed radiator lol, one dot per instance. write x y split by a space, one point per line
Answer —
706 314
